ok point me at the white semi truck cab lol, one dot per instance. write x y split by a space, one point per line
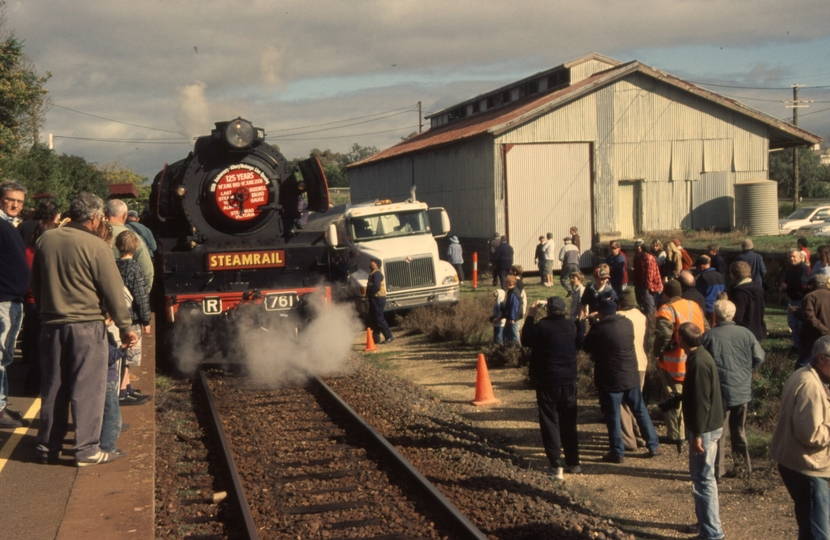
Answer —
402 236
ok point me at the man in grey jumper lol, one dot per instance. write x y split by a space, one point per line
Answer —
73 271
736 352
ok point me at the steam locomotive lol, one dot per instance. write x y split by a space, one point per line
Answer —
232 253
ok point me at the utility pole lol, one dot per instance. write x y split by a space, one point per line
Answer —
420 118
795 105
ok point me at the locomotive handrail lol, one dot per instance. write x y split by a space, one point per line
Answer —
156 212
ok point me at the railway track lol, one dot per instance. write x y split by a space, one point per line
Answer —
302 464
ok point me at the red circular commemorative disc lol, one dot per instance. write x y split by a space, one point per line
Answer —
240 191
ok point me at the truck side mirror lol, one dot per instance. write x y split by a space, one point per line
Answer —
331 235
439 222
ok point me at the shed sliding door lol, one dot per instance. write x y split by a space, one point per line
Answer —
548 190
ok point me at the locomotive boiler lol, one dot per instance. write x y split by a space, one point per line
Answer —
232 252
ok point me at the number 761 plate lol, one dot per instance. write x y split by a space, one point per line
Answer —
281 301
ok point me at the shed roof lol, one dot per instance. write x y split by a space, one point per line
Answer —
123 191
497 121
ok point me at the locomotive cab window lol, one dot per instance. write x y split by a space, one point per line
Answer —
389 225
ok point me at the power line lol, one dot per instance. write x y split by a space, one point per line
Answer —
347 125
751 87
341 136
128 141
117 121
407 108
815 112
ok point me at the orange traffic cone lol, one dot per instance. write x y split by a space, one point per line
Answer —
484 390
370 342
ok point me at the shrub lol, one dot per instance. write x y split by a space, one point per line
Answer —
466 322
503 355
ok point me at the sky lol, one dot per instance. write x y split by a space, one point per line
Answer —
133 82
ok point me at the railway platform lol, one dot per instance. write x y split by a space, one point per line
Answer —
114 500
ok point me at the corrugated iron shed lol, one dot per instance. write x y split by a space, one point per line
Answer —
507 117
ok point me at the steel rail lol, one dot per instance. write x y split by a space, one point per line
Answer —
236 488
448 510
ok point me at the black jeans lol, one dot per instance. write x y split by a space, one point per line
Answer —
377 322
557 421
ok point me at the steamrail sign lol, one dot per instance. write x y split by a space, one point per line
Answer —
240 260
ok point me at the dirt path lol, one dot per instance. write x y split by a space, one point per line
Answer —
649 497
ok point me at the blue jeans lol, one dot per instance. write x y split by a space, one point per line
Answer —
11 317
704 487
610 403
794 323
811 497
498 333
511 333
111 428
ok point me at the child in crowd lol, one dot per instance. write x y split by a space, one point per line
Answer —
577 279
111 427
139 300
497 318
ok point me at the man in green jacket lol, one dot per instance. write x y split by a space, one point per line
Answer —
703 412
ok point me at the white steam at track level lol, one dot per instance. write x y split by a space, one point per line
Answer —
283 354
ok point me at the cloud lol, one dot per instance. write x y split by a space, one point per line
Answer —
308 62
272 66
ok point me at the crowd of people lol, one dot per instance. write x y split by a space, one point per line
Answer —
704 320
77 284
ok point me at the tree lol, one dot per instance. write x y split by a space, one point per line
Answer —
334 163
41 170
358 153
22 96
814 178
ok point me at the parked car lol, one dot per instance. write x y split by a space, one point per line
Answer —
814 228
803 216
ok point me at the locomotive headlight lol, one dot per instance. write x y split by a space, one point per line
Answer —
239 133
181 190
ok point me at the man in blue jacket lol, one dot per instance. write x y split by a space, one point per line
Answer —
552 341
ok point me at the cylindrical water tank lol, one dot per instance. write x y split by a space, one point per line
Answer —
756 206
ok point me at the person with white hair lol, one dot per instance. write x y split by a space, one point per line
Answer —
801 443
117 218
736 352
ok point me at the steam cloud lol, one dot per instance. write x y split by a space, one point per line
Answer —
194 110
281 355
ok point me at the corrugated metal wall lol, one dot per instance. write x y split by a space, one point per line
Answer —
670 139
460 178
641 129
548 190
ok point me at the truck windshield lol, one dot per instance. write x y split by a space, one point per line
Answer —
389 225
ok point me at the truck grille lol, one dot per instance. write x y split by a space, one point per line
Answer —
408 275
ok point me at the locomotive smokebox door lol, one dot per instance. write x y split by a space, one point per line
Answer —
316 185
